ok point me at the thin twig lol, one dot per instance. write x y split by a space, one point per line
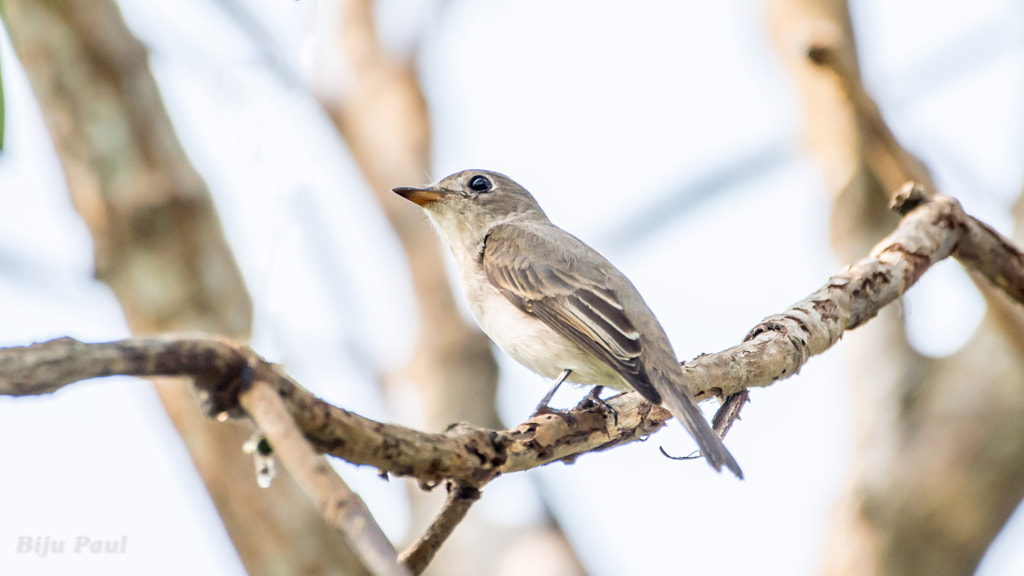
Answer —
729 412
343 509
420 554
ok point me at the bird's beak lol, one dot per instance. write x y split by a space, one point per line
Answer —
421 196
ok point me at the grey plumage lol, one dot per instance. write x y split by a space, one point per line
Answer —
552 302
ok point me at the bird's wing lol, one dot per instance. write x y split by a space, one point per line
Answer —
571 299
574 300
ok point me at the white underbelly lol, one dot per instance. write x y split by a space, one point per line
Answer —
533 344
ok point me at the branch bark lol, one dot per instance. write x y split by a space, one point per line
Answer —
420 554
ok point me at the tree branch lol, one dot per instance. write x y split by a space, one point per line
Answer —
981 248
934 228
343 509
419 555
223 370
935 477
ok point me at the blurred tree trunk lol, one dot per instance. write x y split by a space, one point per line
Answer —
939 448
159 246
384 120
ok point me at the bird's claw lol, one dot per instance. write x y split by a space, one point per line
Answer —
594 399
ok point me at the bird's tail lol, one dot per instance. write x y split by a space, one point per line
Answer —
685 410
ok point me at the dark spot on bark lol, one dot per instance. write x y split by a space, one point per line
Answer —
826 309
799 323
527 428
389 448
434 468
949 221
570 418
473 448
919 264
165 360
324 412
467 493
333 444
869 285
867 290
768 325
908 197
499 443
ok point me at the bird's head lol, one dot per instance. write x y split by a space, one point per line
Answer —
468 203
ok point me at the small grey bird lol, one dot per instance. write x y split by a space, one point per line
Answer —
553 303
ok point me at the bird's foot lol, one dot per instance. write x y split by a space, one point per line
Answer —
593 398
542 407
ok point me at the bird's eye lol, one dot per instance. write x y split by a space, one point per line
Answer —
480 184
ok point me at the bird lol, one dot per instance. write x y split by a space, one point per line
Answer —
555 304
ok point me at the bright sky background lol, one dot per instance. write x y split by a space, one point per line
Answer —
666 134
